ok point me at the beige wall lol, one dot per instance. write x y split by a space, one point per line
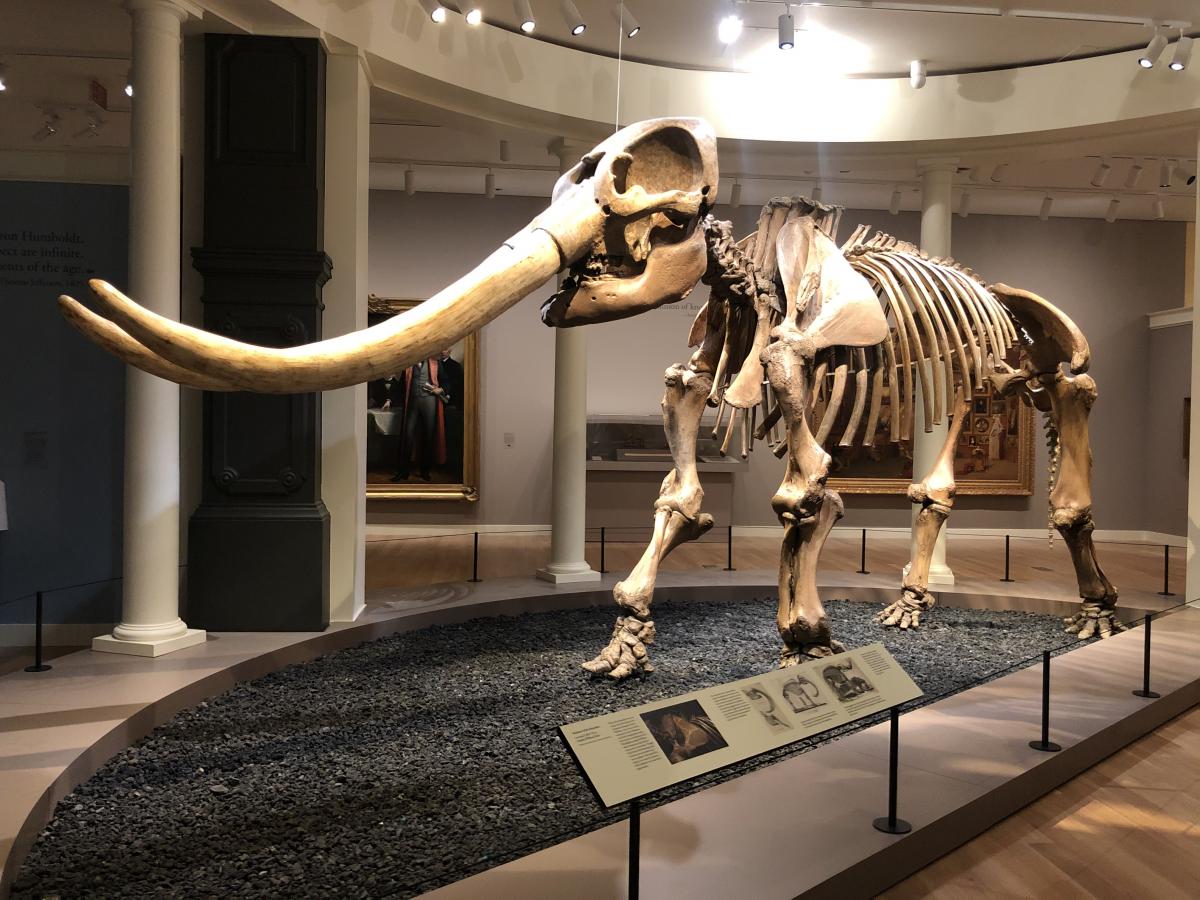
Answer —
1106 276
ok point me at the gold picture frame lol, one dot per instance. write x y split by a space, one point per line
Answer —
995 455
448 451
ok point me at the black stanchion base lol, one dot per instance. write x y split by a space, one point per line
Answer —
474 581
864 571
1008 580
1045 747
1149 695
45 668
729 569
892 826
1166 594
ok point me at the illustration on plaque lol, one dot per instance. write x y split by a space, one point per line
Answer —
802 694
846 681
766 708
684 731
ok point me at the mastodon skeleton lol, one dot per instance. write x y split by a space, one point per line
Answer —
630 228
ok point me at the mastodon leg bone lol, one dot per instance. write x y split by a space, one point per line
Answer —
677 518
936 496
800 617
1070 401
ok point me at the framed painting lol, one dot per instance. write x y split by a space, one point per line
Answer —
423 421
994 454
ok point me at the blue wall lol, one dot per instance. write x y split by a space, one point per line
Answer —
61 402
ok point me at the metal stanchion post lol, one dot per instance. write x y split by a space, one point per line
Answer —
1007 541
1166 591
1045 743
38 665
475 560
635 846
603 570
889 824
729 550
1145 691
862 566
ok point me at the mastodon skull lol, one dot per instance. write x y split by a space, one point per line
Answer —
623 224
654 181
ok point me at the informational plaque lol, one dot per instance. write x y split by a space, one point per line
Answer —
629 754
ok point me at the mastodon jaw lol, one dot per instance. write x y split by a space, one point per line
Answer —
111 338
523 263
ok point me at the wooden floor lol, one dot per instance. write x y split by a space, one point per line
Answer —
409 562
1130 827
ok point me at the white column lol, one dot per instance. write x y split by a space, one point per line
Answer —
937 180
150 623
1192 586
344 412
568 510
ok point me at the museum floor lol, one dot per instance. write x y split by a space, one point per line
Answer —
1058 843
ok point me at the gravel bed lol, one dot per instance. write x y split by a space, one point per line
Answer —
414 760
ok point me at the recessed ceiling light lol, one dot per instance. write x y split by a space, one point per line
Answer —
129 83
474 16
3 77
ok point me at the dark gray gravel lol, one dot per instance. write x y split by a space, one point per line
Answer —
414 760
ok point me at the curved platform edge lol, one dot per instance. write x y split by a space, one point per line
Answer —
58 728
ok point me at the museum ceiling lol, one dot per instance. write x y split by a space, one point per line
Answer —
52 51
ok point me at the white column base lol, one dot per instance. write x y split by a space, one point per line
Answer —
939 573
107 643
568 573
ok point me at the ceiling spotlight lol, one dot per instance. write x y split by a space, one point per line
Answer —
729 29
998 172
918 72
1047 205
816 193
1133 176
1160 211
1166 173
129 83
91 129
3 77
629 25
1188 173
570 13
489 185
1153 50
894 207
787 29
735 195
474 16
964 204
434 10
1101 174
1183 52
49 126
1114 206
524 15
410 181
505 152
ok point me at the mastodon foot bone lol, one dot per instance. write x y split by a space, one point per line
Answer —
1096 618
790 656
907 611
626 652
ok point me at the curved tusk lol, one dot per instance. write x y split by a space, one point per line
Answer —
108 336
513 271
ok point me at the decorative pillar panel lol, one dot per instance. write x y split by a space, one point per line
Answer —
258 545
